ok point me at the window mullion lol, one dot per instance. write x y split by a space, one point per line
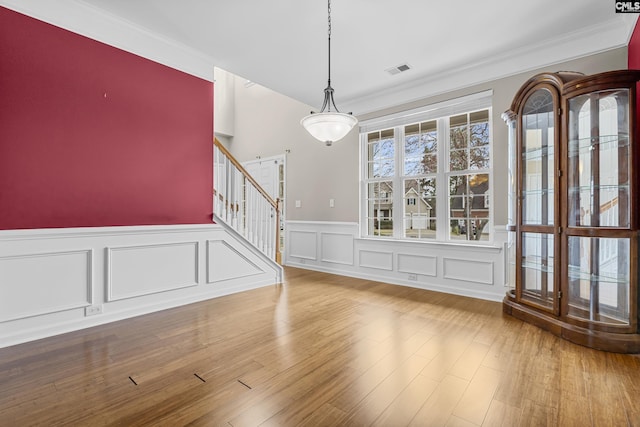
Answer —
364 179
398 186
442 192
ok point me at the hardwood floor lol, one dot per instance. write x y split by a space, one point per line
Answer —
319 350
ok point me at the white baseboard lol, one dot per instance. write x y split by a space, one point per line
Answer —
54 281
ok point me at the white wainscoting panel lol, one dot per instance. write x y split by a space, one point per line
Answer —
376 259
142 270
225 262
418 264
36 284
303 244
468 270
474 269
49 276
337 248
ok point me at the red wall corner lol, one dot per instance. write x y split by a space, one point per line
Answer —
633 50
91 135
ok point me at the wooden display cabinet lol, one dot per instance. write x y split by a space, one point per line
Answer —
573 232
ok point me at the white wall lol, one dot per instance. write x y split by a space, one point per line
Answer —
267 124
325 239
51 280
224 103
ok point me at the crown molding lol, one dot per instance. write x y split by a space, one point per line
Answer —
94 23
608 35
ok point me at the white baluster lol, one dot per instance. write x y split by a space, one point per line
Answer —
242 206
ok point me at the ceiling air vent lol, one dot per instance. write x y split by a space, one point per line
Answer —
398 69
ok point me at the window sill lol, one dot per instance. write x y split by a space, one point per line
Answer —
481 247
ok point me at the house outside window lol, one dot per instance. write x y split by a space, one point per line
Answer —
438 161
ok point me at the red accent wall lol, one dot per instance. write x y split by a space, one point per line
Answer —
633 50
91 135
633 62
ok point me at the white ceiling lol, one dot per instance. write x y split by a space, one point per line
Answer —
282 44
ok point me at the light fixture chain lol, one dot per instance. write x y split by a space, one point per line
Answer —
329 9
329 47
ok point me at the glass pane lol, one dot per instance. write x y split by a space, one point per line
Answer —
459 160
511 261
537 268
383 168
458 229
599 166
599 279
413 167
479 158
429 137
420 208
380 208
458 131
469 205
373 227
538 171
426 165
380 153
479 128
420 148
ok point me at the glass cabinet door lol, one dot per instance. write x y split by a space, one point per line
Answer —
598 180
511 120
538 158
599 279
577 211
537 175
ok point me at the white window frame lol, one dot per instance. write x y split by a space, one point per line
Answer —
440 112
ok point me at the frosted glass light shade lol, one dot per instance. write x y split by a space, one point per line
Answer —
329 127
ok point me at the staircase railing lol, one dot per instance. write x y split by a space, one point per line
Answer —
243 204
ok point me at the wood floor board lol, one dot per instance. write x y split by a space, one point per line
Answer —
474 403
385 393
318 350
440 404
450 349
327 415
333 380
407 404
469 362
501 415
535 414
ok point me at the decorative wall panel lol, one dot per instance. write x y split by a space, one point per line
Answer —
142 270
35 284
303 244
224 262
468 270
337 248
377 260
418 264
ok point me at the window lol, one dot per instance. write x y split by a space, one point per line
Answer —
469 153
439 163
380 167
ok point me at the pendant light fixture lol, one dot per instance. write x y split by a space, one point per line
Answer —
329 126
